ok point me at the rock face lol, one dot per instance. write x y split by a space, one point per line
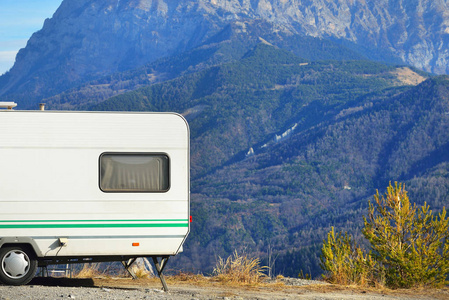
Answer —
415 30
86 39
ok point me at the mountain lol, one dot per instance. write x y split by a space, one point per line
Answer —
86 40
283 148
229 44
299 110
287 196
227 104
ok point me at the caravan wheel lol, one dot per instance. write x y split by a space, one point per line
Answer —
17 266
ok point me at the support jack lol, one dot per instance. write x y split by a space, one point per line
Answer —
160 265
127 264
160 268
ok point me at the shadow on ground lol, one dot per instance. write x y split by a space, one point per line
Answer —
65 282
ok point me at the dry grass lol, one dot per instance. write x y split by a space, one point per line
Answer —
236 269
407 76
141 273
239 269
89 271
188 277
264 287
243 272
141 269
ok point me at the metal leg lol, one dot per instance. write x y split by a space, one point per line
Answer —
127 265
160 268
44 271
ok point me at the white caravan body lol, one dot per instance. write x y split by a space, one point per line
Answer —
94 185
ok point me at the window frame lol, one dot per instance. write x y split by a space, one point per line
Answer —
138 154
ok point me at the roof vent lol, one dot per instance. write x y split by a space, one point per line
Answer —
8 105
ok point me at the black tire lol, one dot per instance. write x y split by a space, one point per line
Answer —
17 265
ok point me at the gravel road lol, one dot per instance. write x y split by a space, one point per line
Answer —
51 288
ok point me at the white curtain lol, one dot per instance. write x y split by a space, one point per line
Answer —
130 172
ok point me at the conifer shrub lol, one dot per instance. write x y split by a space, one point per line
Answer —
409 246
345 261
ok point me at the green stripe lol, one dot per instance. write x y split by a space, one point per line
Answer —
71 221
94 225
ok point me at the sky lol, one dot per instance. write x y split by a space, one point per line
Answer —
19 19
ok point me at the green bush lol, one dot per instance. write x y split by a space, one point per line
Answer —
409 246
345 262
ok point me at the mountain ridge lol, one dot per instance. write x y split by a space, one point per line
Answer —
229 44
89 39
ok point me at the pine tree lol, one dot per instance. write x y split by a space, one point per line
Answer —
409 246
345 262
410 243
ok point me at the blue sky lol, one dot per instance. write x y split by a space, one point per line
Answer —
19 19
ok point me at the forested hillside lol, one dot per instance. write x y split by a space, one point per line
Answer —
236 106
228 45
283 148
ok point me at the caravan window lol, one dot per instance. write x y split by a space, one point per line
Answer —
134 172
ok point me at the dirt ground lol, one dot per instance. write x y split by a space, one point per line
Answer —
204 288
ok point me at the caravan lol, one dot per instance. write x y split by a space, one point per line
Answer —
81 187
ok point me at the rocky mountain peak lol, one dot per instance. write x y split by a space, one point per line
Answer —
87 39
